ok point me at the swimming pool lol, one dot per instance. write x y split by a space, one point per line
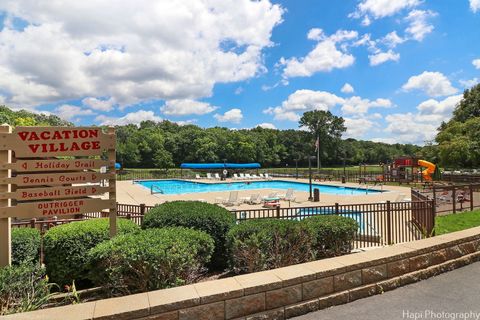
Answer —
357 216
183 187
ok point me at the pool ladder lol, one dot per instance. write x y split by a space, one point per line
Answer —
152 190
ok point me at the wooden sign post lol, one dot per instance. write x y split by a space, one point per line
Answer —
42 176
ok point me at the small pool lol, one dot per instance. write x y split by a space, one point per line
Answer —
357 216
183 187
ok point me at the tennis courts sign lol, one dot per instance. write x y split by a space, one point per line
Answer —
41 175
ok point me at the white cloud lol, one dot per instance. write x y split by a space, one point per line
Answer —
475 5
444 107
238 91
232 115
347 88
382 8
357 127
382 57
138 51
280 114
359 106
69 112
421 126
434 84
419 26
97 104
324 57
316 34
476 62
267 125
306 100
392 39
409 128
182 107
185 122
469 83
130 118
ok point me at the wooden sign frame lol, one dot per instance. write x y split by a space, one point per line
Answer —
45 185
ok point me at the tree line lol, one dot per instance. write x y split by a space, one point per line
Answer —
166 144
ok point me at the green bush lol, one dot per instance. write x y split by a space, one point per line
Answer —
23 288
150 259
333 234
257 245
66 247
210 218
25 245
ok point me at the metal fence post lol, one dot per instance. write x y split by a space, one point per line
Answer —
337 211
471 197
389 224
32 223
277 208
454 200
142 208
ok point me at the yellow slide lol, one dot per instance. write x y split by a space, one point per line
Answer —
427 173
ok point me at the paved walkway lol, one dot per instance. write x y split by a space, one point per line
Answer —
452 295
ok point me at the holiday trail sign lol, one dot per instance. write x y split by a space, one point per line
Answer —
48 172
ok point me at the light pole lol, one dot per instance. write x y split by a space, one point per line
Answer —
310 158
296 168
344 178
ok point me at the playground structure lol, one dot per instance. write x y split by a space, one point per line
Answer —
409 169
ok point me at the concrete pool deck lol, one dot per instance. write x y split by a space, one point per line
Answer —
130 193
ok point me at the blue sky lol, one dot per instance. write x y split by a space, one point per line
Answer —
393 69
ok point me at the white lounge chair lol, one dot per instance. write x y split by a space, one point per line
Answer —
235 176
254 199
262 176
197 176
271 195
242 176
232 199
254 176
248 176
289 196
217 176
209 176
268 177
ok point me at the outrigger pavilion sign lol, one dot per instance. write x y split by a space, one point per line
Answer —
54 172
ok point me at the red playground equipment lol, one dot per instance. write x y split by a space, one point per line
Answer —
409 169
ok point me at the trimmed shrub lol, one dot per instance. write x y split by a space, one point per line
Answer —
210 218
257 245
333 234
150 259
25 245
23 288
66 247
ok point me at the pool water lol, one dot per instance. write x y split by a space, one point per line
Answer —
183 187
357 216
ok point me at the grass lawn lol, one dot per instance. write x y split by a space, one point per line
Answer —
457 222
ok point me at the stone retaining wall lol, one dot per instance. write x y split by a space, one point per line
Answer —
290 291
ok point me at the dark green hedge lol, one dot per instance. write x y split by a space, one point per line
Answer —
333 234
66 247
257 245
150 259
210 218
25 245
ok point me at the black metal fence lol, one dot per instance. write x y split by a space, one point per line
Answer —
379 224
450 198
